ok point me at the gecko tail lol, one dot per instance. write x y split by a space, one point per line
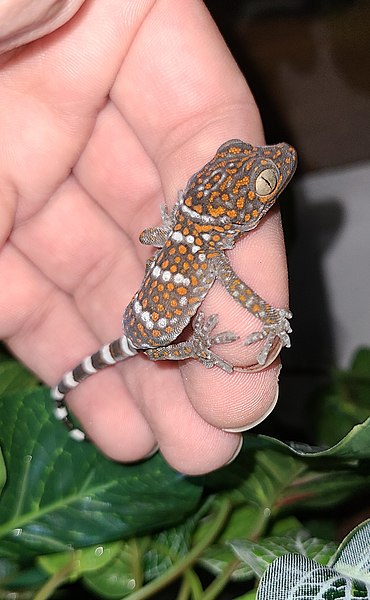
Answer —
106 356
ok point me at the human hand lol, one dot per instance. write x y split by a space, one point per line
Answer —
102 120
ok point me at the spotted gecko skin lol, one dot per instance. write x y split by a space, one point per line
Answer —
223 201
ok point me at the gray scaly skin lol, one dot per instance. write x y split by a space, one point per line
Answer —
223 201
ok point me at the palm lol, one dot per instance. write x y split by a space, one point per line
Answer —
102 121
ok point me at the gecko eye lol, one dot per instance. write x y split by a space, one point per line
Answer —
266 182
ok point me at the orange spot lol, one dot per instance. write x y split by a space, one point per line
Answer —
190 257
182 249
200 194
247 217
172 250
173 268
198 208
177 259
156 298
185 231
204 266
210 255
170 286
251 195
216 212
165 264
173 302
185 266
168 244
160 307
194 280
144 303
169 329
216 237
240 202
256 308
232 214
160 287
155 316
255 213
140 295
219 228
225 197
168 314
182 291
193 300
166 295
195 266
188 202
156 333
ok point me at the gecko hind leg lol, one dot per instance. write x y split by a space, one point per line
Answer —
198 345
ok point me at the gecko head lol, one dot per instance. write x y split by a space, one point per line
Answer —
240 184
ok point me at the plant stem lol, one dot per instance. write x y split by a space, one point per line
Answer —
221 581
174 572
55 581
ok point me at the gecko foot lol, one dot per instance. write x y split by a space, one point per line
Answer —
280 329
201 341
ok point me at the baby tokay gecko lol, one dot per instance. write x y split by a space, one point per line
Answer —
221 202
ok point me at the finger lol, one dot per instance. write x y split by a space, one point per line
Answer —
38 323
187 442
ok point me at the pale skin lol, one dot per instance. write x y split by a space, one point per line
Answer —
107 108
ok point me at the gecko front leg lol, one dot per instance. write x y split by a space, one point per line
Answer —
275 320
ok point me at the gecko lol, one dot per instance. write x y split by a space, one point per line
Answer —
221 202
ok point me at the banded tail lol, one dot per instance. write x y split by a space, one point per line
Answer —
106 356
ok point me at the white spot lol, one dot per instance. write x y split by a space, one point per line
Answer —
145 316
156 271
183 301
87 365
125 347
149 324
166 275
201 257
56 394
195 248
162 323
69 380
137 307
178 278
61 413
186 281
177 236
106 355
190 239
77 435
206 236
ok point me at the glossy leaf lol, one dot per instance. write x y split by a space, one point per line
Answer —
122 575
259 555
296 576
62 494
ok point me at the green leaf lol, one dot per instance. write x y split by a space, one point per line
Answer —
345 402
61 494
81 561
2 472
353 555
122 575
353 447
14 377
167 547
259 555
297 576
216 559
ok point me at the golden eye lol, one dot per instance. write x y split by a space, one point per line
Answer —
266 182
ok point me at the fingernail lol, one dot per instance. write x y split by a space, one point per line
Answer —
236 453
152 452
258 421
